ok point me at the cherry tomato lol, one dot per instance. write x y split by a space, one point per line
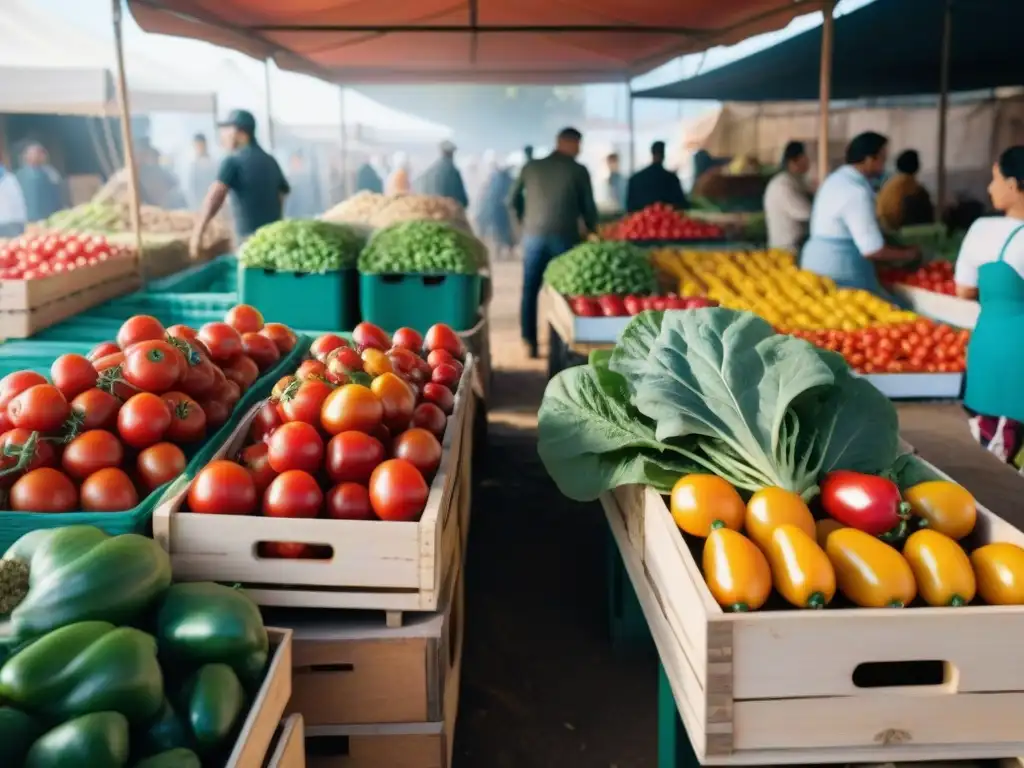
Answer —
13 384
439 356
420 448
222 488
402 360
407 338
303 400
102 349
431 418
296 445
262 350
229 392
311 369
349 501
188 420
199 379
159 464
281 335
280 386
323 345
217 411
42 408
139 328
256 459
439 395
375 362
44 490
44 454
73 374
223 341
266 420
108 490
441 336
369 336
293 494
397 399
243 371
351 407
352 457
398 491
153 366
446 375
244 318
183 332
143 420
91 451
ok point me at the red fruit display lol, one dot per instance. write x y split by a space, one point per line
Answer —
661 222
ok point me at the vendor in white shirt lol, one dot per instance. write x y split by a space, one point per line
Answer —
787 201
846 239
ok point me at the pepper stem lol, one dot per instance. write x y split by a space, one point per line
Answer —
894 603
956 601
816 601
904 510
716 524
13 584
739 608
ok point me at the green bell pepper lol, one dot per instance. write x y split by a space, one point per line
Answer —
97 740
17 733
79 573
172 758
215 702
167 731
87 667
204 623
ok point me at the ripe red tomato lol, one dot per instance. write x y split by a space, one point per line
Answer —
323 345
397 399
351 407
280 386
369 336
296 445
304 401
256 459
199 378
441 336
222 488
352 457
143 420
102 349
153 366
242 370
44 455
183 332
446 375
108 490
44 490
13 384
407 338
41 408
311 369
420 448
438 357
188 420
293 494
398 491
281 335
217 411
223 341
440 396
139 328
403 360
90 452
262 350
98 409
342 363
229 392
73 374
349 501
431 418
266 420
244 318
159 464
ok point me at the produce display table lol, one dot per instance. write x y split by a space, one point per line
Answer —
961 313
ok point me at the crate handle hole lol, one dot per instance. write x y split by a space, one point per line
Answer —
293 550
429 280
327 746
392 278
340 667
892 674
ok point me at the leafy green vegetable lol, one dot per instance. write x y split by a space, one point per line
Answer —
302 245
426 247
596 269
711 390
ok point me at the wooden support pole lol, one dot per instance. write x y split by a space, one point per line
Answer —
269 105
947 40
825 85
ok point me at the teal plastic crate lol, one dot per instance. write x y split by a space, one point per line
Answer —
302 300
418 301
217 276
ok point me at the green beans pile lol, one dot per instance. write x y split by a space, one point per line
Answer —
597 269
425 247
302 245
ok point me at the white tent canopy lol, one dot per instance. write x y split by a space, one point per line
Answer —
48 66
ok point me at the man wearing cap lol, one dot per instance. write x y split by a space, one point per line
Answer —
257 185
443 178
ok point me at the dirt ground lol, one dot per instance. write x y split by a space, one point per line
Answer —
541 686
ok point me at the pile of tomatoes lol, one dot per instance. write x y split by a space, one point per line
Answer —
354 434
661 222
30 258
611 305
923 346
936 277
108 428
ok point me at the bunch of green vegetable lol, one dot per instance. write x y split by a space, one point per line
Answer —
597 269
711 391
302 245
424 247
106 664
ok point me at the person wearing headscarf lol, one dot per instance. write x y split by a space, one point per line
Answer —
902 201
398 181
367 178
493 221
443 179
40 183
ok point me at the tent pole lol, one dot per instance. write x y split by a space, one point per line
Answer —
947 39
632 127
269 105
344 145
126 139
825 85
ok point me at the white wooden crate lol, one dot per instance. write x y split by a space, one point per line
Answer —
952 310
912 386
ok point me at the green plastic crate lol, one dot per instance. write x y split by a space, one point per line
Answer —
394 301
14 525
302 300
217 276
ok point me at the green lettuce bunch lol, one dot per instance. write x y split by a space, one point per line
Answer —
303 245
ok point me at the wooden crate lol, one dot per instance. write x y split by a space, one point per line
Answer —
580 334
24 323
376 565
257 734
289 747
352 669
393 745
33 295
776 687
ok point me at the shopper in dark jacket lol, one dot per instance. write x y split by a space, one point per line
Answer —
655 184
443 178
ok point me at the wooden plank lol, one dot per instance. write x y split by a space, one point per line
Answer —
289 750
22 324
260 724
32 295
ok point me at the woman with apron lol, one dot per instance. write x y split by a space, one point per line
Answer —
990 268
845 238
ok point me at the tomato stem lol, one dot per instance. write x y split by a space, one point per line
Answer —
816 601
24 453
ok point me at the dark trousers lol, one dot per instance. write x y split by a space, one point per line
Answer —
538 250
